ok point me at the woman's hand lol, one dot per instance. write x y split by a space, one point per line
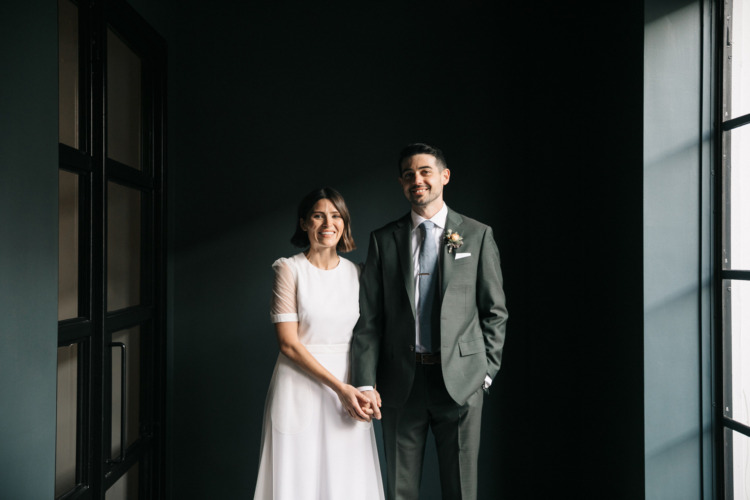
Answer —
373 397
356 404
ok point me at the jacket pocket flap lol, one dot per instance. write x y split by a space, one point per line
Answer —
471 346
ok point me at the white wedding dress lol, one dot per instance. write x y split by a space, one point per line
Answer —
311 449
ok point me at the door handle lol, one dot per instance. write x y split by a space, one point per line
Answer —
123 413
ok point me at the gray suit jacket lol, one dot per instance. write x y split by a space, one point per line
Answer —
472 315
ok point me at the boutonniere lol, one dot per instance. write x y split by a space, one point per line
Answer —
453 240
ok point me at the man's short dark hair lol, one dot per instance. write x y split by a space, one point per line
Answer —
420 148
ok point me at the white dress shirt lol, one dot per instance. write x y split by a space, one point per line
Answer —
416 244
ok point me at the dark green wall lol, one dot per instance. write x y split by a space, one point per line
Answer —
28 249
539 111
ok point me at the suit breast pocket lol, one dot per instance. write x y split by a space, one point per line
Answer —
465 261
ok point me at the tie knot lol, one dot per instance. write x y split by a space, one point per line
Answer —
427 225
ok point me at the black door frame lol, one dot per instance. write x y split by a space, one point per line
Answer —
93 328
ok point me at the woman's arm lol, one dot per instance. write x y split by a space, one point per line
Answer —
356 404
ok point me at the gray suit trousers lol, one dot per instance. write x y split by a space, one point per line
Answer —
457 433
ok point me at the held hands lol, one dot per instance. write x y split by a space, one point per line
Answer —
373 397
357 404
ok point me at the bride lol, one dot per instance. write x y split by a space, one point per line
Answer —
318 442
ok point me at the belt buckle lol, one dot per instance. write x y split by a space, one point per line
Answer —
426 358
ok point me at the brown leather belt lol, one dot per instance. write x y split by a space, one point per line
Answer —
426 358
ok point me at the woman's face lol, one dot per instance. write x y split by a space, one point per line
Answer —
324 225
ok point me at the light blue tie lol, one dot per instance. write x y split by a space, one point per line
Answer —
428 280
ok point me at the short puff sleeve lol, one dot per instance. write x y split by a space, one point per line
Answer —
284 296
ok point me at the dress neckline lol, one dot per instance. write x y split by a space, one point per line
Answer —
338 265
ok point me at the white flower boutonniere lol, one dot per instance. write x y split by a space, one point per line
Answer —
453 240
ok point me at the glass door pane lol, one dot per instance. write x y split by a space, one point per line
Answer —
131 345
123 102
67 419
67 298
737 349
123 247
737 466
126 488
737 60
68 73
737 171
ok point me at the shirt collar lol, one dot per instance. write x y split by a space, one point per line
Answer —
439 219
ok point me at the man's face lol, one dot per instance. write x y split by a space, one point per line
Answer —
422 180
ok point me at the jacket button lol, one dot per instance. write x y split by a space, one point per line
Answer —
411 348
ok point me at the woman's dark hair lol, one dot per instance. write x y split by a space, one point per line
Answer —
300 238
420 148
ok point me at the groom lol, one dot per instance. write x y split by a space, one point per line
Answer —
431 331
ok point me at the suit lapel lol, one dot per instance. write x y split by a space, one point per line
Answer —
453 222
402 234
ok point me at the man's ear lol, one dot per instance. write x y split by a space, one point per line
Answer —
446 176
